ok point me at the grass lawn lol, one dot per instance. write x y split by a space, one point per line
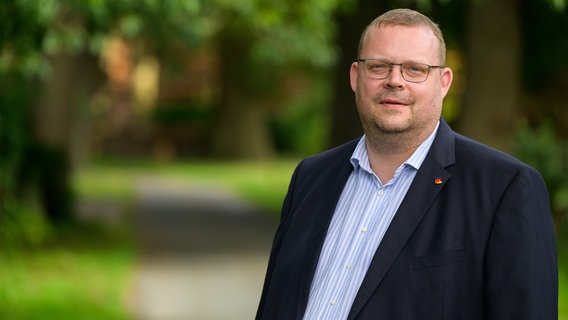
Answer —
81 274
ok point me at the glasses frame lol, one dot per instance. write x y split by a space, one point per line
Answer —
390 64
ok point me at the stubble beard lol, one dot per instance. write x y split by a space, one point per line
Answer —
385 136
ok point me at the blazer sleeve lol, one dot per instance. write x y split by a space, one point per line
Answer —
520 262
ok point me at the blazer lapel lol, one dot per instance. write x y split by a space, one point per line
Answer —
424 189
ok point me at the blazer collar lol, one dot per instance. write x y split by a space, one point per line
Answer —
442 150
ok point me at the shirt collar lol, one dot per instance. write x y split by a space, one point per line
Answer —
360 157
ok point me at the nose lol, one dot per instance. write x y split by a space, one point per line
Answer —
395 80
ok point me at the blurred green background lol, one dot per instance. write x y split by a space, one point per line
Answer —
95 93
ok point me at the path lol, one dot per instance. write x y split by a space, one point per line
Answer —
203 253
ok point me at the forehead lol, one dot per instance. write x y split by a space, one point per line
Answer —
401 43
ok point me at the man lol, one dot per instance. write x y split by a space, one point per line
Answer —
412 221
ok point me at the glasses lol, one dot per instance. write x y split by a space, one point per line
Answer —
411 71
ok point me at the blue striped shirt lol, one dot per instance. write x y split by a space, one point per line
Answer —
363 214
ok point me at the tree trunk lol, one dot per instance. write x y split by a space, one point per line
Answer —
64 100
88 77
240 130
493 72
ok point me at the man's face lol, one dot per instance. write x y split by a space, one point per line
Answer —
394 105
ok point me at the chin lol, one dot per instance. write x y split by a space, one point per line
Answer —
393 126
393 130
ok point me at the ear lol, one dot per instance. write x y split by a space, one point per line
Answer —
446 80
353 75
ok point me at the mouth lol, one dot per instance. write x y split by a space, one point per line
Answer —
392 102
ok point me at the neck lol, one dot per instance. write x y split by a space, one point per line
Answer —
387 151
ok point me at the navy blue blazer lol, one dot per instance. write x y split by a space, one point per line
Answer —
479 245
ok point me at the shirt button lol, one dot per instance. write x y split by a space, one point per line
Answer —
349 265
364 229
380 192
332 302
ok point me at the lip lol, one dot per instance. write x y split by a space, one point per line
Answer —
391 102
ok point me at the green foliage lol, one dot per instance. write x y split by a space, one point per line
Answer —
182 113
272 39
22 28
14 136
559 5
542 149
31 31
295 31
302 127
545 52
22 225
20 220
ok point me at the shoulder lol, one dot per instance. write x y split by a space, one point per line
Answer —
482 159
320 167
331 157
473 151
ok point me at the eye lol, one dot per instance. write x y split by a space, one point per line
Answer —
415 68
377 67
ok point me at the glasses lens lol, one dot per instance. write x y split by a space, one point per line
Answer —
411 72
415 72
377 69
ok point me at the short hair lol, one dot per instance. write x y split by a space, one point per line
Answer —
406 17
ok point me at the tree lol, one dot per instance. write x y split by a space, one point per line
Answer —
57 45
241 130
491 103
261 45
52 47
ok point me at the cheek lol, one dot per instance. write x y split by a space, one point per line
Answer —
438 99
367 89
431 98
435 105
